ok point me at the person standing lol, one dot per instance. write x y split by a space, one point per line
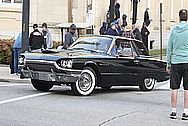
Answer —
17 50
47 35
146 17
103 30
128 32
70 37
177 62
112 30
145 33
137 32
117 12
35 39
118 27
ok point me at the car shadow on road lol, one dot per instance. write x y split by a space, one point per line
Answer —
98 91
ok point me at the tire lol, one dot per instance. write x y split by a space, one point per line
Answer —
86 83
148 84
106 87
41 85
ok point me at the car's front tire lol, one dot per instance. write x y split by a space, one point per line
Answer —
86 82
148 84
41 85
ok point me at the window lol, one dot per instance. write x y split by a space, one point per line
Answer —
89 4
123 48
98 44
17 1
6 1
11 1
141 48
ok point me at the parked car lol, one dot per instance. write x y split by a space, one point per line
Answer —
102 61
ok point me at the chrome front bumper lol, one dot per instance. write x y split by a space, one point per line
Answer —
50 76
67 75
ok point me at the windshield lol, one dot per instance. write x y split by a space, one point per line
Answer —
100 44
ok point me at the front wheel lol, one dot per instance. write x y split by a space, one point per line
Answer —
41 85
86 82
148 84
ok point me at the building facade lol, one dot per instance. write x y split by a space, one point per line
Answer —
84 11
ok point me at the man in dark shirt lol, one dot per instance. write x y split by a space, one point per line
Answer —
35 39
70 37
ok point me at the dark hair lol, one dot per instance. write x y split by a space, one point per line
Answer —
44 25
35 25
144 23
183 15
73 27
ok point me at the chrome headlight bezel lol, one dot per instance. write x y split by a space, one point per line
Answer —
69 64
66 63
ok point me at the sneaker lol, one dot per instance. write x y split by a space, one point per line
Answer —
173 115
184 116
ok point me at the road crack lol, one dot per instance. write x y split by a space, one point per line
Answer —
121 116
117 117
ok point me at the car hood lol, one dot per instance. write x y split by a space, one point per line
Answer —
54 55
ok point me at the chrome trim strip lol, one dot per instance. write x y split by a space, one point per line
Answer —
111 73
30 73
53 63
55 76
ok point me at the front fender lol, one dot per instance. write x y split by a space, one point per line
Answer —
96 68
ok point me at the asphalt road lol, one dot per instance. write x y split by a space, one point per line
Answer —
21 105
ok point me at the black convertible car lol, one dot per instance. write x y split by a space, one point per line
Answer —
102 61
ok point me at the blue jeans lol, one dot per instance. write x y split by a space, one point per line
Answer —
17 52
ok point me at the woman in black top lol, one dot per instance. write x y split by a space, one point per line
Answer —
145 33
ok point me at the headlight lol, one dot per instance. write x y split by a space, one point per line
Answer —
69 63
63 63
21 60
66 63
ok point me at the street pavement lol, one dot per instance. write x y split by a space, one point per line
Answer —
21 105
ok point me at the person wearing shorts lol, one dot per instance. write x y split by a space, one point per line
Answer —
177 63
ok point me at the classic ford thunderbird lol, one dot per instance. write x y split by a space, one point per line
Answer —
94 61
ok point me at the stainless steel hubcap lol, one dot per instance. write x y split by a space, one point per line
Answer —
85 82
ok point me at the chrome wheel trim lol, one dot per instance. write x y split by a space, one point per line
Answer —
86 82
149 83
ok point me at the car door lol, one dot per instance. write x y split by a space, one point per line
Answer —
147 66
123 69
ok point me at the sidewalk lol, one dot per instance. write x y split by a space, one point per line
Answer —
5 75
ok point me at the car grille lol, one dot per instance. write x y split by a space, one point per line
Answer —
43 67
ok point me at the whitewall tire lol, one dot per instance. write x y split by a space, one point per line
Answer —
148 84
86 82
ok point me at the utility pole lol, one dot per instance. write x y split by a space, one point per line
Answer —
70 11
135 6
25 25
161 31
